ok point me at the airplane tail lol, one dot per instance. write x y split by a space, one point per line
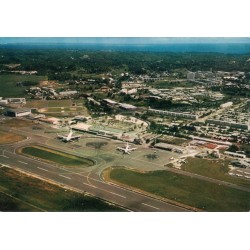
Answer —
69 135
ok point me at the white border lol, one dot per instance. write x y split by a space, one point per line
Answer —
120 18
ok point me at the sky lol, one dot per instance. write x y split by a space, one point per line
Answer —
124 40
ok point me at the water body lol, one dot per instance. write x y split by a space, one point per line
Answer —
227 48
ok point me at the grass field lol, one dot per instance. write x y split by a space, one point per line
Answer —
59 108
20 192
51 103
172 140
184 189
56 156
6 137
216 169
8 83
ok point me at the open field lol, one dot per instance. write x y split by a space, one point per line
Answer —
6 137
17 123
64 111
58 108
8 83
169 84
184 189
172 140
51 103
216 169
21 192
56 156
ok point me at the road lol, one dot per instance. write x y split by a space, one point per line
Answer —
83 182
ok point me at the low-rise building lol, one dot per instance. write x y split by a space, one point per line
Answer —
229 124
237 155
68 93
127 106
170 147
226 105
18 112
16 100
175 114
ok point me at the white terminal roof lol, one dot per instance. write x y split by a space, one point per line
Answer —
127 106
109 101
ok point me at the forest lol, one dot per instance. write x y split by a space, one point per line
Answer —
65 64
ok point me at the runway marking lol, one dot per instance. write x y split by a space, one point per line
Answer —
89 185
105 190
4 156
43 169
23 162
65 176
115 194
150 206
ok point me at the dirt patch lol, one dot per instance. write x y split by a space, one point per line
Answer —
51 84
7 138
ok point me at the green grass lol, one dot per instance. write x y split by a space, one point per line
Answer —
20 192
8 204
216 169
57 157
184 189
172 140
8 86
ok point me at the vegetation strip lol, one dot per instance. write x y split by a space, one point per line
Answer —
56 156
216 169
28 189
184 189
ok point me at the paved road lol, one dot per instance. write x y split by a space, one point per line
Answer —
88 179
83 182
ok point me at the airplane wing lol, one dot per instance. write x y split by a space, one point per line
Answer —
132 149
61 137
75 137
121 149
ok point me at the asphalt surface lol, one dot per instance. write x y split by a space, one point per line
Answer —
83 182
89 179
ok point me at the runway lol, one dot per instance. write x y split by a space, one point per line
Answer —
84 182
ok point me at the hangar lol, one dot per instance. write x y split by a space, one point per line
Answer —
17 112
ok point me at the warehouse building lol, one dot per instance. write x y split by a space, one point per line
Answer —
235 154
18 112
16 100
175 114
229 124
170 147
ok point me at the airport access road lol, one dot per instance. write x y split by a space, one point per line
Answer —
84 183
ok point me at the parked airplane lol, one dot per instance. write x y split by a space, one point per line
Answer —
69 137
127 149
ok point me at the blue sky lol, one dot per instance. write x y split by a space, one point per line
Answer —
125 40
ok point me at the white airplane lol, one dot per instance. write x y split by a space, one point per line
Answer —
127 149
69 137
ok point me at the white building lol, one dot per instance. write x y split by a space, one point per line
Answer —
68 93
175 114
226 105
191 76
235 154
